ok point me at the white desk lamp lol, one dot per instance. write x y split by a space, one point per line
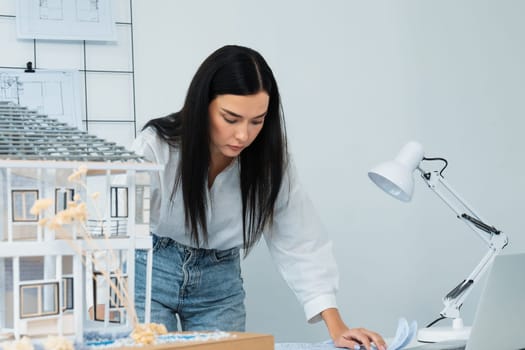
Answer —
396 178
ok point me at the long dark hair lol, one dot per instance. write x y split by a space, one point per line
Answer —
232 70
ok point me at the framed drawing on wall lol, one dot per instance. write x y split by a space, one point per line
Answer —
53 93
65 20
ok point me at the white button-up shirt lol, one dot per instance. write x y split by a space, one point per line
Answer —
296 240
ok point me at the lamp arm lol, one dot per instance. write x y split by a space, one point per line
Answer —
455 298
493 238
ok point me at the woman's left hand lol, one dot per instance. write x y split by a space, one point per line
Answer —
354 338
351 338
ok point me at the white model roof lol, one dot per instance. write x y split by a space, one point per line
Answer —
29 139
27 135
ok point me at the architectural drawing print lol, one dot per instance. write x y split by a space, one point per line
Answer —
53 93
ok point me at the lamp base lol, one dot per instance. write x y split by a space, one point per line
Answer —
438 334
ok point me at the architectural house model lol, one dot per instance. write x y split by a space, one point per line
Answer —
68 267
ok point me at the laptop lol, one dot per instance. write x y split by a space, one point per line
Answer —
499 322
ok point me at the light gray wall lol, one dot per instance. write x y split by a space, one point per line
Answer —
358 80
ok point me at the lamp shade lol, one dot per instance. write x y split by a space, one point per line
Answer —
396 177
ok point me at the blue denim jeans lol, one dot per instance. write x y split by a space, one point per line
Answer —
203 287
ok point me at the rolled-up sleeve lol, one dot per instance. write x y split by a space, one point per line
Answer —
301 249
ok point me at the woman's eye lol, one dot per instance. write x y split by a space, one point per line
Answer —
257 122
230 121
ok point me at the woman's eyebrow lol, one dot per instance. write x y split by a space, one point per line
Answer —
233 114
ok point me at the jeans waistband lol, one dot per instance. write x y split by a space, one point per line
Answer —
166 242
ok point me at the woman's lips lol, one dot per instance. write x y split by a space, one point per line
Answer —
235 148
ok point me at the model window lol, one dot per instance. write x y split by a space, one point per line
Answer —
22 201
39 300
99 297
119 202
99 285
67 293
115 301
62 197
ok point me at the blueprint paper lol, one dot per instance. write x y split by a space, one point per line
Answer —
412 330
404 335
305 346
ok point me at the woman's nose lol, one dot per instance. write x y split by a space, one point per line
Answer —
241 133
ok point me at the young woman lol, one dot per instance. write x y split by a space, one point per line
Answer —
227 181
